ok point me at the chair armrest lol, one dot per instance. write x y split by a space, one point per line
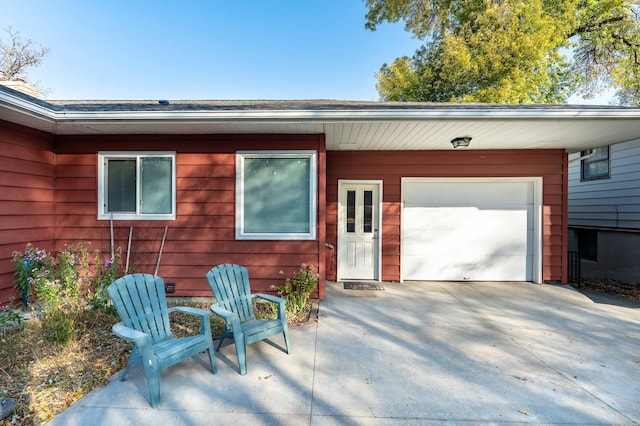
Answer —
139 338
230 318
190 311
205 326
269 297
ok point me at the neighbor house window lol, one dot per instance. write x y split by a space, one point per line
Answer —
276 195
595 165
588 244
137 185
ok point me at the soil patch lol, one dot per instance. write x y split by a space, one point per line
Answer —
611 287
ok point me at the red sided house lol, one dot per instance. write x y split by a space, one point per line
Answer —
361 190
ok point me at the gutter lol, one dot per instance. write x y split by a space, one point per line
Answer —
54 114
583 157
377 114
25 106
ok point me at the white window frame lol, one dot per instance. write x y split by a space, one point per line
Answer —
313 195
103 156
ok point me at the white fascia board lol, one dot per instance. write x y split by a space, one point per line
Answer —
23 106
341 115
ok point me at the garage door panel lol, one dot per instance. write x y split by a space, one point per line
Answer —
423 193
469 249
468 230
486 269
450 218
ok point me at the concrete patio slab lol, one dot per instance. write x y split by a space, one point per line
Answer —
414 353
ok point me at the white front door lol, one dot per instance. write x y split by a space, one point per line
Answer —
359 230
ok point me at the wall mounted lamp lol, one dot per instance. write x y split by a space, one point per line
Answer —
461 141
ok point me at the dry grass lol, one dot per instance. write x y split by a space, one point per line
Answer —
615 288
46 378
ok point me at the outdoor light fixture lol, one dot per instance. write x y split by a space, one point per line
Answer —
462 141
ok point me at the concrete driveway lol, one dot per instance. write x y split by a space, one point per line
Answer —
413 353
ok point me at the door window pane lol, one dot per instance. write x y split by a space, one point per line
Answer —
368 212
351 211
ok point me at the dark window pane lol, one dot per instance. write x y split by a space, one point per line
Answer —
596 163
351 211
121 186
588 244
368 212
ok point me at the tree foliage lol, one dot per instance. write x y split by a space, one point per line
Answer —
512 51
18 53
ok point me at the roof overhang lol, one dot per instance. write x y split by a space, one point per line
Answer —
348 125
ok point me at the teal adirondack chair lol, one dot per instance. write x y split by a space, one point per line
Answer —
142 305
234 303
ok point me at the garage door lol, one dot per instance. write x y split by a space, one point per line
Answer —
462 229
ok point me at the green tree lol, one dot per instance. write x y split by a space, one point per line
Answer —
512 51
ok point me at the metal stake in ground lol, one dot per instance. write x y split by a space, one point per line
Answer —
161 248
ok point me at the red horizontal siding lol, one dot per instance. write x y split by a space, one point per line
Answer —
190 146
203 233
18 208
26 197
391 166
25 180
24 167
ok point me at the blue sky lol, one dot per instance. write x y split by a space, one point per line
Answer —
233 49
216 49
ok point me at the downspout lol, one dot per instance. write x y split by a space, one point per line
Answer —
564 278
54 189
583 157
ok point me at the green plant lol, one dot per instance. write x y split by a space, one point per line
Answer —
264 309
297 289
10 319
35 273
74 270
106 273
57 324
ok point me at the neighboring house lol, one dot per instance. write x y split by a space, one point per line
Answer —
362 190
604 211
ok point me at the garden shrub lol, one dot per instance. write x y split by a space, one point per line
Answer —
64 285
297 289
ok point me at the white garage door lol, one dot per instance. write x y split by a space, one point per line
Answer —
469 229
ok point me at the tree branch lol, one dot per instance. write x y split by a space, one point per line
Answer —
596 25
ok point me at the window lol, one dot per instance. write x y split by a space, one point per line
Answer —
596 163
588 244
276 195
136 185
